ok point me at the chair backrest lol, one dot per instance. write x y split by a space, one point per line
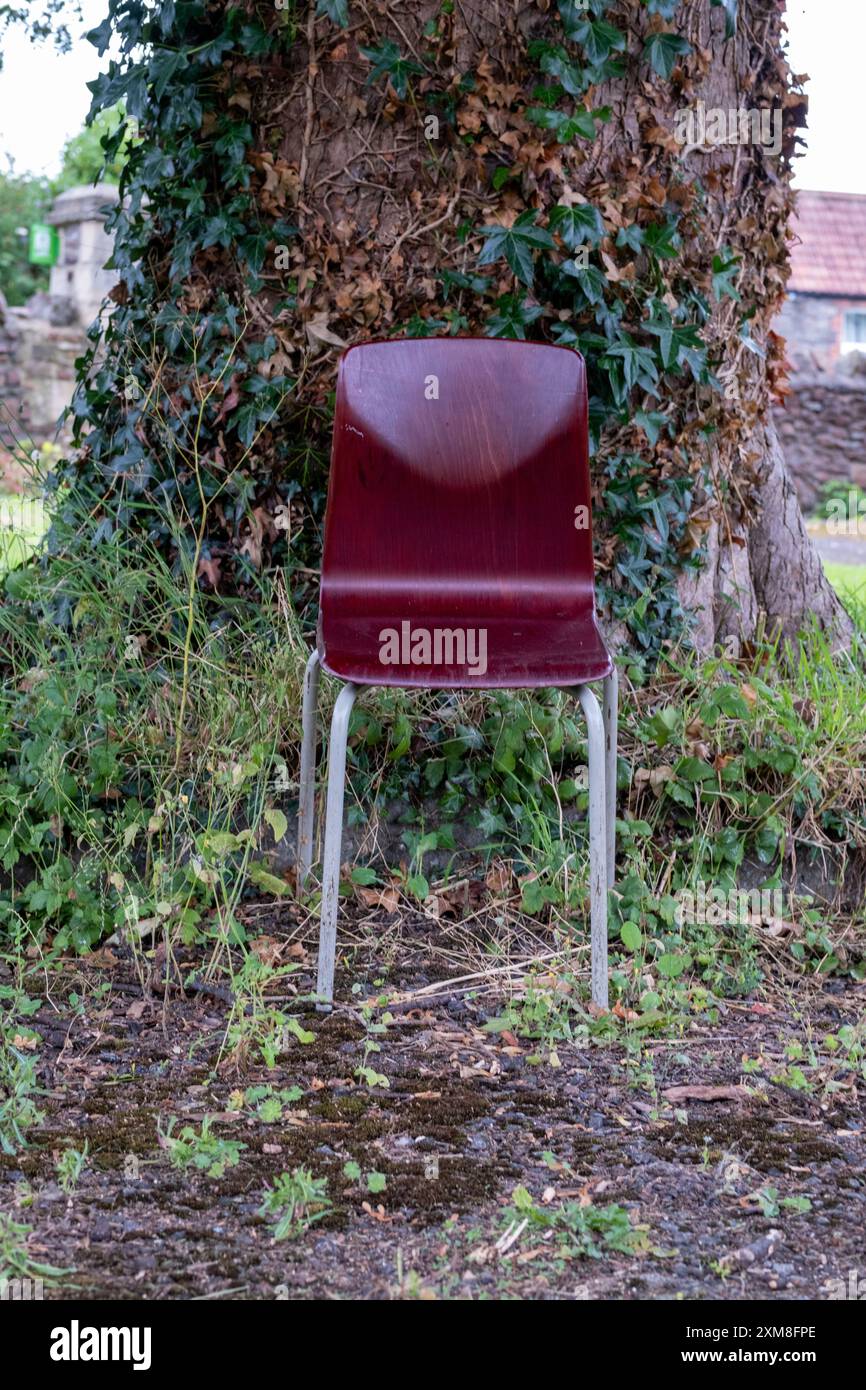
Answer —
459 472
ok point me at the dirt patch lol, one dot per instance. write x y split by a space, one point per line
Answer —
760 1197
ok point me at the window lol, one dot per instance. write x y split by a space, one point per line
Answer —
854 332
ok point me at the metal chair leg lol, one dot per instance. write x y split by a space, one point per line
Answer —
333 843
609 711
307 792
598 869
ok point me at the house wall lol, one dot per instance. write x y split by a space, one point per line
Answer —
812 325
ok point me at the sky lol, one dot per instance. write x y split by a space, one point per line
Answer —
43 98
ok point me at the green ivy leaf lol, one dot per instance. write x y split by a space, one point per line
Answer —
512 317
662 51
336 10
515 244
663 239
726 269
635 363
597 38
556 63
388 62
652 422
577 225
581 123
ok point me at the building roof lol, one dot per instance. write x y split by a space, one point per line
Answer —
828 252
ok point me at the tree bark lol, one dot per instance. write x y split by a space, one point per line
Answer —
387 200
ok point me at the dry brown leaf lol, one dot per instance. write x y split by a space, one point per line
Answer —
267 948
387 898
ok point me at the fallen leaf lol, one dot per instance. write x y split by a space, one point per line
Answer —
319 334
267 948
386 898
498 877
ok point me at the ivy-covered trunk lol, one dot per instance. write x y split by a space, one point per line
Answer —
594 174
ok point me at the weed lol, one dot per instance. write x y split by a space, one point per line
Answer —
374 1182
202 1150
297 1200
15 1260
18 1109
576 1229
70 1166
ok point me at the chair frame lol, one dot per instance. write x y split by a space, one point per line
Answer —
601 725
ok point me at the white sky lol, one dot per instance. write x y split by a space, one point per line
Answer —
43 99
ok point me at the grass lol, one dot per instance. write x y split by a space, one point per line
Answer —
148 770
849 581
22 525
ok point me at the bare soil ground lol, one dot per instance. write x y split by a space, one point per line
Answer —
465 1118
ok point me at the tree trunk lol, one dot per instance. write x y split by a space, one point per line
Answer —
396 135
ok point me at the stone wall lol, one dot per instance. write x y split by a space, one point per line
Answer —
13 413
40 342
46 363
822 427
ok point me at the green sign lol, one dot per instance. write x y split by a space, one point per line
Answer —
44 244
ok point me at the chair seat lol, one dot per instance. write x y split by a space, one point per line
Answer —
497 651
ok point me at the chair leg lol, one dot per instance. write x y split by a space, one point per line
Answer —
333 844
307 792
609 709
598 869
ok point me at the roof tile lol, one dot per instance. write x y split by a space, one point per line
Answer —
828 250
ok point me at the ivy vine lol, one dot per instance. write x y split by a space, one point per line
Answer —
187 402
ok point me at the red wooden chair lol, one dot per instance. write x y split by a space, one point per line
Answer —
458 554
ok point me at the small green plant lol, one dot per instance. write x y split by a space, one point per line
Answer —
375 1028
70 1166
772 1205
18 1109
15 1261
269 1104
375 1182
576 1229
202 1150
296 1200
